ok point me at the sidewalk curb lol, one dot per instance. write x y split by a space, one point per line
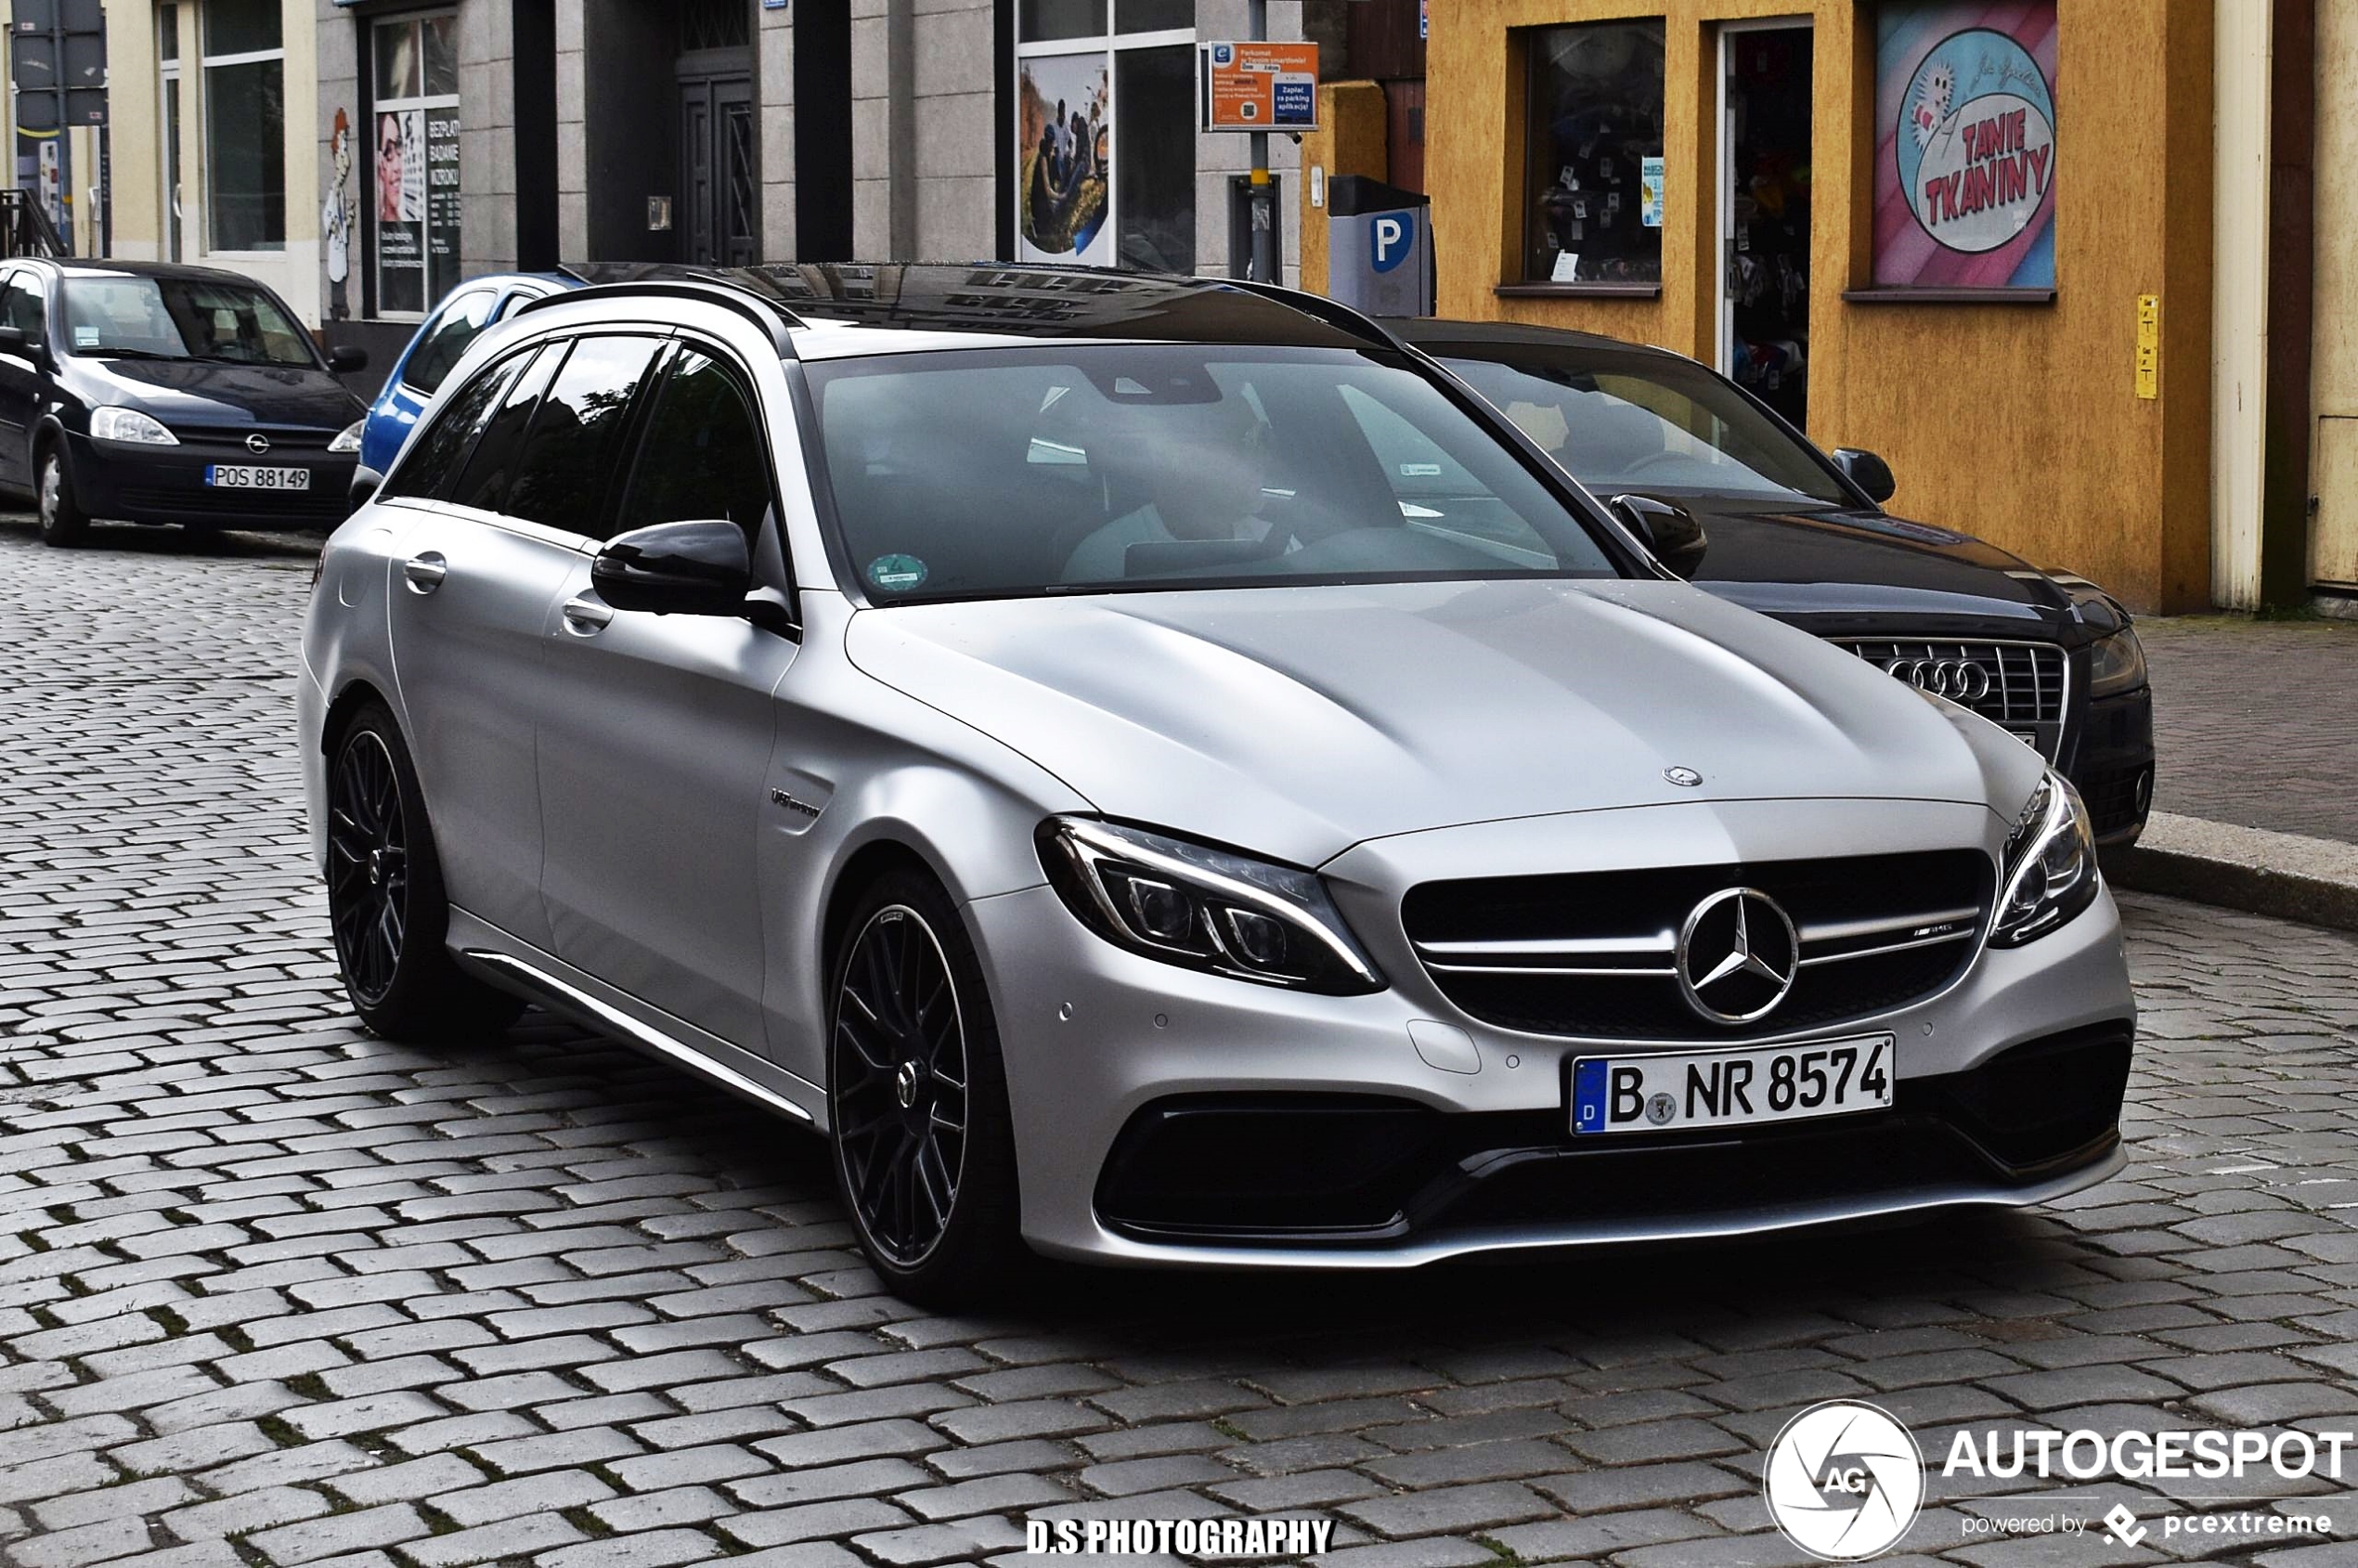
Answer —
2284 875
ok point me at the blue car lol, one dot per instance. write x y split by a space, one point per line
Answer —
462 317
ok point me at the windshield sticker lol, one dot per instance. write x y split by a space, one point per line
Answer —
895 574
85 337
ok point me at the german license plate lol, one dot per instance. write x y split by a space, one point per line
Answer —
1673 1090
237 476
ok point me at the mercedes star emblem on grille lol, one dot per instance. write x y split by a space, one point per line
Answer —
257 444
1962 681
1738 954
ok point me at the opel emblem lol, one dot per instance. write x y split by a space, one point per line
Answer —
1685 778
1964 680
1738 954
257 444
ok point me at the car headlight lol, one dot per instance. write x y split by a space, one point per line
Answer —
350 440
2051 865
130 425
2115 664
1203 908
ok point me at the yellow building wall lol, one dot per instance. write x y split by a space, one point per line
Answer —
135 101
2017 422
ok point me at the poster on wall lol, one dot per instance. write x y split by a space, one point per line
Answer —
416 206
1965 153
1064 148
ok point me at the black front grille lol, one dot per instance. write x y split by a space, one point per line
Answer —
1591 954
1356 1170
323 504
2020 685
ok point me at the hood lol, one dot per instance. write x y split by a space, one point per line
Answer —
200 394
1297 722
1848 562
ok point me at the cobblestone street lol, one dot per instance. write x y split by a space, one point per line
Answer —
275 1292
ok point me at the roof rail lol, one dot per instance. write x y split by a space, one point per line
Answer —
763 310
1320 307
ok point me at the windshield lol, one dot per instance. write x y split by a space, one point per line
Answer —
180 319
1646 422
1005 472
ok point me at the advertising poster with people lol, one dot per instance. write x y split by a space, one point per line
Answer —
1064 150
1965 152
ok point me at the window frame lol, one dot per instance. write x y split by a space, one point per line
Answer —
1108 46
1526 61
424 103
626 439
206 64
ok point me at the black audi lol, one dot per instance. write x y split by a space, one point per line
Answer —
162 394
1740 502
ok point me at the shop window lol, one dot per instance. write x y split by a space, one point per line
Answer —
245 126
1965 146
413 141
1593 152
1106 133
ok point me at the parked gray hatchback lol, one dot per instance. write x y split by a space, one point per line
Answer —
1013 722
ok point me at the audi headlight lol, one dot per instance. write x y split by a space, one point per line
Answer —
130 425
2115 664
1203 908
2051 865
350 440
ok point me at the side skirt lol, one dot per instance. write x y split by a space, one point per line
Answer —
518 966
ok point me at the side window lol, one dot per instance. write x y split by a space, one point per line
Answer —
568 461
462 321
22 307
432 455
491 466
702 455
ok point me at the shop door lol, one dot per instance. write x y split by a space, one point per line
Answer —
716 177
1763 211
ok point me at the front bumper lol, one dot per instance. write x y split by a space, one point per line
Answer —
2112 763
143 484
1166 1116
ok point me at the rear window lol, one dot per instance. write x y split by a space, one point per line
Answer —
1007 472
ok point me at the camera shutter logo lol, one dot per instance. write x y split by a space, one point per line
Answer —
1843 1481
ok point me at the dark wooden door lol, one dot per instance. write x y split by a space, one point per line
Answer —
719 216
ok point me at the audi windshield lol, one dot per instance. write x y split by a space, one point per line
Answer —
1001 473
1649 423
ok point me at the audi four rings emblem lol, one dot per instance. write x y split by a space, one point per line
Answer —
257 444
1958 679
1738 954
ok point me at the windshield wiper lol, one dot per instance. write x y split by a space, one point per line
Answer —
105 353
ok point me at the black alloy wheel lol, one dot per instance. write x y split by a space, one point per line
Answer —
386 907
902 1084
367 867
917 1099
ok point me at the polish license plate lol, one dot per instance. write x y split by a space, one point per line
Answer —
237 476
1673 1090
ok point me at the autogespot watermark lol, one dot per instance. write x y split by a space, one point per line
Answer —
1845 1480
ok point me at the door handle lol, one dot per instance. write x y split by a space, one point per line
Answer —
424 573
586 618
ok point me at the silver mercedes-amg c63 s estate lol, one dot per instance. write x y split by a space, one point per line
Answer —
1016 722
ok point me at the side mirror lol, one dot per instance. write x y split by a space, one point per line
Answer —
13 341
1671 531
676 569
1868 472
346 360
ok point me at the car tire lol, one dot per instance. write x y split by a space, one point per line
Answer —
917 1099
387 906
63 522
